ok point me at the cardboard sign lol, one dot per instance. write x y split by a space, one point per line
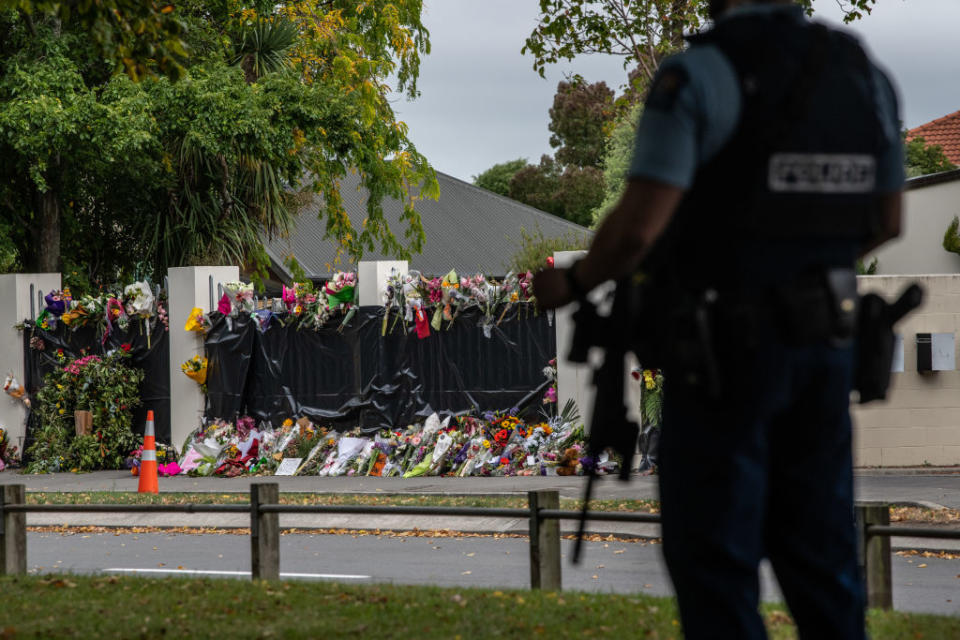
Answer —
288 466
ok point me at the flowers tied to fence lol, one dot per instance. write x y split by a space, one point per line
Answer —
196 369
107 311
429 302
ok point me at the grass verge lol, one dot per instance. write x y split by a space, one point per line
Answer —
66 606
386 499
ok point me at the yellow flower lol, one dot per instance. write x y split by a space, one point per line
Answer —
61 411
288 422
486 444
650 385
514 296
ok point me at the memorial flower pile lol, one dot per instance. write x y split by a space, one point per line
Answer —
491 445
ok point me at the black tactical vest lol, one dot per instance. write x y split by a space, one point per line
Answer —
800 172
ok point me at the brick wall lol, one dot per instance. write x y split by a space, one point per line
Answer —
920 421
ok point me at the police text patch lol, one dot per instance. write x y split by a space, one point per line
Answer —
822 173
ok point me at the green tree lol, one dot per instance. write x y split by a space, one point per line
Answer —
571 193
642 32
951 237
579 122
537 185
497 178
616 162
922 158
118 175
140 38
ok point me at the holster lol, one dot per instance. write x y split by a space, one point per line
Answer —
875 341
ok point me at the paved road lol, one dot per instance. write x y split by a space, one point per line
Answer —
476 562
906 486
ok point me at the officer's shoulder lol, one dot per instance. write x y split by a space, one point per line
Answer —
700 65
697 60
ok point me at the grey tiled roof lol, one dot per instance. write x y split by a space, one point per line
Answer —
468 229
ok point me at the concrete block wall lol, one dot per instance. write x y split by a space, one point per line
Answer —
919 423
15 308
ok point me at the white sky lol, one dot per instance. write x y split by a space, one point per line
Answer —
482 103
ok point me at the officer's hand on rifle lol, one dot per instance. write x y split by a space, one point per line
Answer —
551 289
621 241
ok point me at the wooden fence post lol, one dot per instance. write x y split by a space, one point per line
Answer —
264 532
544 541
13 531
875 550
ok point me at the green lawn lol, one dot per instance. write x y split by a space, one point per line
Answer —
404 499
111 607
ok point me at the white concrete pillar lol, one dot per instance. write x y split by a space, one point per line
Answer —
189 287
372 280
575 380
15 308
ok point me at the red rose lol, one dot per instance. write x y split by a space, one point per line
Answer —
126 346
550 261
504 460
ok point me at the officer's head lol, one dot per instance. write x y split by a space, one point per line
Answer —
718 7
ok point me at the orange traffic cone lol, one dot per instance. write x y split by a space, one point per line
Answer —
148 459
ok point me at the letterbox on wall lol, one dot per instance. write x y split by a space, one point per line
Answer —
924 353
936 352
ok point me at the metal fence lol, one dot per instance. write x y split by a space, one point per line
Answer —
543 514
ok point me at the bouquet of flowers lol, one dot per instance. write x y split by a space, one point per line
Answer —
651 403
138 300
197 321
15 390
196 369
240 298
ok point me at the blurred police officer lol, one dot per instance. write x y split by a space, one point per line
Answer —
767 161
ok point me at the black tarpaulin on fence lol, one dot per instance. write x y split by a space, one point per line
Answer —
152 356
359 377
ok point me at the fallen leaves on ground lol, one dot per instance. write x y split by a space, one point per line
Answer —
241 531
924 515
916 553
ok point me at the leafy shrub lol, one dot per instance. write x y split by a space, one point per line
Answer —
106 387
534 249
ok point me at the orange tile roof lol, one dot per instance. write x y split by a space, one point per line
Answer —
943 131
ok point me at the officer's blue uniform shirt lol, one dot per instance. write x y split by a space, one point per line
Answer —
674 140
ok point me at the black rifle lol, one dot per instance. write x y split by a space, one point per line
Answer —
609 426
617 333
